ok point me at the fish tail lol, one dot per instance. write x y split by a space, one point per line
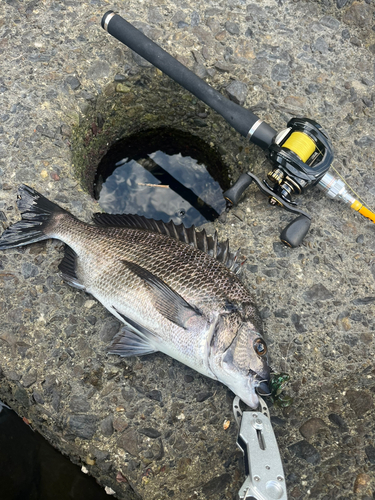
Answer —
38 215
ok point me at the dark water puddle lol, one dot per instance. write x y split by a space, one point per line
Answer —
163 174
31 469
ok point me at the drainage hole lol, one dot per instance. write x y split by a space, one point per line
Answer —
162 174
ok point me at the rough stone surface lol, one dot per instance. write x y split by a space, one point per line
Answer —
305 451
360 401
370 452
362 483
237 92
339 421
312 427
68 91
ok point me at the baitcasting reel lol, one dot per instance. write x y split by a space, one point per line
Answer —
301 155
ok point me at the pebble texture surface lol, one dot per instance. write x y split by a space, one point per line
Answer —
150 427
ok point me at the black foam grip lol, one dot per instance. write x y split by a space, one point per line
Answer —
293 234
239 118
263 136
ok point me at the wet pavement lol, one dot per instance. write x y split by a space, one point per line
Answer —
151 427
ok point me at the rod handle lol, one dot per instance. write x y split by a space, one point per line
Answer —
241 119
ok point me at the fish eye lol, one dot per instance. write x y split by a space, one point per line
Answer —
260 347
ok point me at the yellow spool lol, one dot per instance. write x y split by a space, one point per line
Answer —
301 145
358 207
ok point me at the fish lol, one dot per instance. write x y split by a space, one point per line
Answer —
174 289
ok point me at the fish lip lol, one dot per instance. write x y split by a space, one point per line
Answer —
261 384
262 388
253 400
258 388
247 394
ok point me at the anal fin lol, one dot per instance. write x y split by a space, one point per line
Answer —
67 268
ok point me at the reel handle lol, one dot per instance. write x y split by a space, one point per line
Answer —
293 234
234 193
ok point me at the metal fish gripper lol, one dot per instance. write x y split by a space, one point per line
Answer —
265 479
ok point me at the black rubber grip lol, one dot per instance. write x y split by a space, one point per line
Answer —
263 136
234 193
238 117
293 234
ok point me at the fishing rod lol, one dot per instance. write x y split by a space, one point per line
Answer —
300 155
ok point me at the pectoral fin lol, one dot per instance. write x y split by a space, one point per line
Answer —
168 302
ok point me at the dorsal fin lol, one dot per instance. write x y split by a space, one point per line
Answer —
190 235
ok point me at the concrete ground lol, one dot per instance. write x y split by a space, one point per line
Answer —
151 427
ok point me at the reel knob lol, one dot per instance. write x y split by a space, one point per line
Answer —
293 234
234 193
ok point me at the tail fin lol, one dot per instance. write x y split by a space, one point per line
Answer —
37 214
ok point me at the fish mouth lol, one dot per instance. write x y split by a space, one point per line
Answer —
263 388
247 393
260 388
261 384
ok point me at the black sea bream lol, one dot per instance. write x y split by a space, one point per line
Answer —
174 289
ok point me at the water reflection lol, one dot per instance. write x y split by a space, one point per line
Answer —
163 174
162 186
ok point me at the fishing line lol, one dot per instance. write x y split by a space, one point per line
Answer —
351 189
301 145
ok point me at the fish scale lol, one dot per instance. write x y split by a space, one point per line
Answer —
115 288
173 288
214 284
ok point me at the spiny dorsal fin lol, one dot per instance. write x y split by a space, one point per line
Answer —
198 239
